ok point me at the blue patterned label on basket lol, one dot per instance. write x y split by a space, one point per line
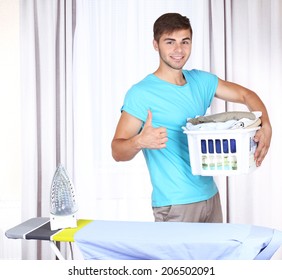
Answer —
218 154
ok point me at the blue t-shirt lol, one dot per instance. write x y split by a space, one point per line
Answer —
171 105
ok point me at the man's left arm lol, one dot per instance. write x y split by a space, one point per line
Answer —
232 92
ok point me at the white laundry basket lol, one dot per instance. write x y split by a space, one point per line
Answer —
222 152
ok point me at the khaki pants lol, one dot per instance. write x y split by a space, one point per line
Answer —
207 211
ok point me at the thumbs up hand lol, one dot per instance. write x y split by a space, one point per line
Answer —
152 138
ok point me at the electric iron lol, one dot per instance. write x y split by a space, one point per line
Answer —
63 205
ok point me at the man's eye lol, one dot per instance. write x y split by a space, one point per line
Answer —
169 42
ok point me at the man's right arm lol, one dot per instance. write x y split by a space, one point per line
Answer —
127 141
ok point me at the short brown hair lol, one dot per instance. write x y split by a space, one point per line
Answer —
170 22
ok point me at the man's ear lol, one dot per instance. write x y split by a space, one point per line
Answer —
156 45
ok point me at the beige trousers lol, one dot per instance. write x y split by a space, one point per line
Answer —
207 211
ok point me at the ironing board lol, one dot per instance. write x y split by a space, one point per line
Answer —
122 240
39 229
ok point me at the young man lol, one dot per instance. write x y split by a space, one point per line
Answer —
153 113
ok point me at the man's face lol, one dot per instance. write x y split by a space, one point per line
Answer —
174 49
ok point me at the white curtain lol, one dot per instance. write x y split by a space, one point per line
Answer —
78 60
255 60
113 50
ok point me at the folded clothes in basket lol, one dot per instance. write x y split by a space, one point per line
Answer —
226 120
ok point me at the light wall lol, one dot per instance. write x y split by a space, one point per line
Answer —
10 112
10 123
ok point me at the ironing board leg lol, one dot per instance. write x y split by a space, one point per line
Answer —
56 251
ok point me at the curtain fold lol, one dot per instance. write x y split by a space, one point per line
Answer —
78 60
46 52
